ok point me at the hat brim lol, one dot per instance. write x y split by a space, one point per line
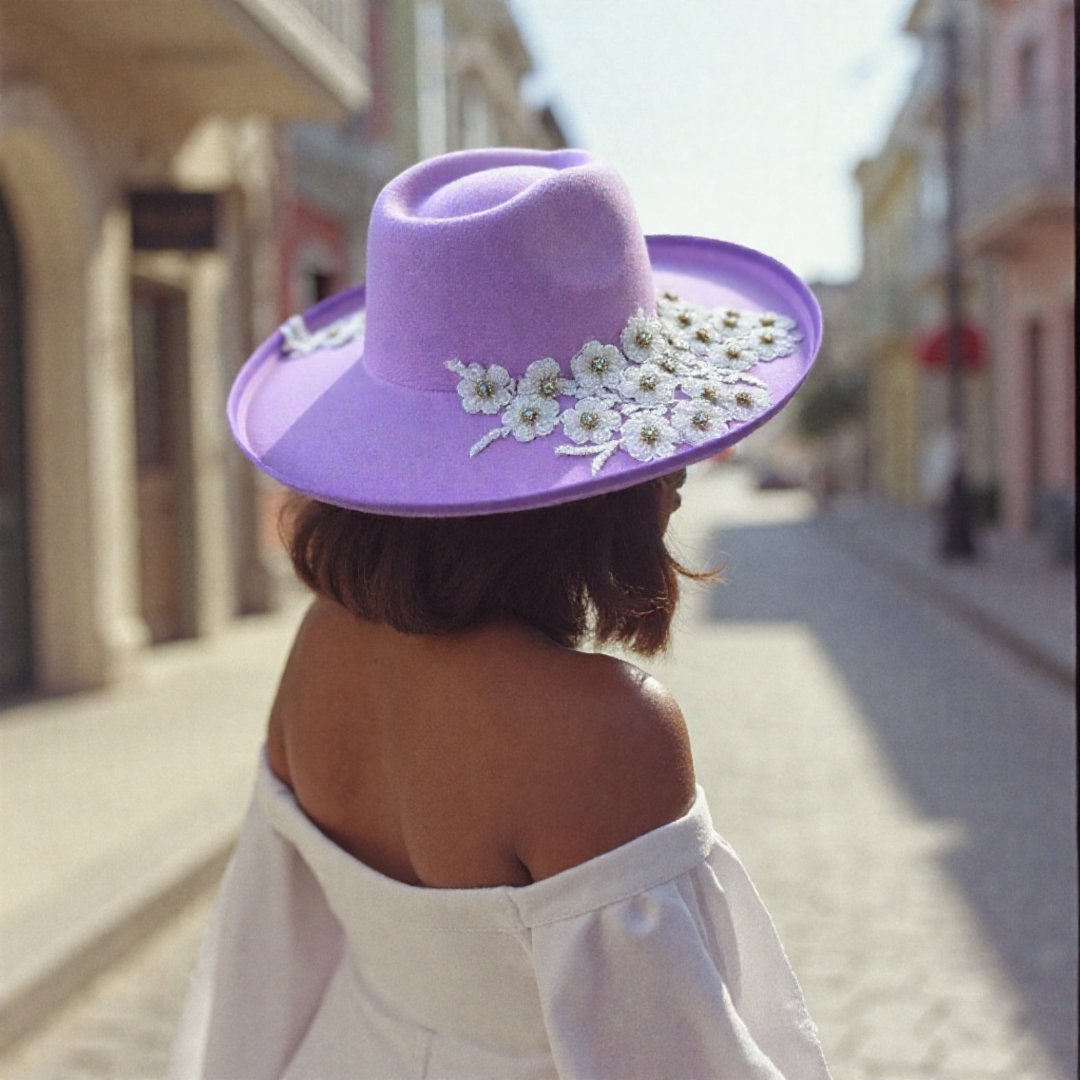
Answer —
324 425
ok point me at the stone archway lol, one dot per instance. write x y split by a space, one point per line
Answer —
81 629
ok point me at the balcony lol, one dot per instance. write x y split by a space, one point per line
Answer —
1018 173
289 59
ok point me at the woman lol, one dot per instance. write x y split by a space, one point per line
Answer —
475 850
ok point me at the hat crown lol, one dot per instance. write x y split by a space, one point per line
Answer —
499 257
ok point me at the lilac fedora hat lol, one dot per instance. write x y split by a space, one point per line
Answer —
520 343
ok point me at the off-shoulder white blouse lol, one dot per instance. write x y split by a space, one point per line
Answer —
655 961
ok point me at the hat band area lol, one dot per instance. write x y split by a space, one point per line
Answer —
679 378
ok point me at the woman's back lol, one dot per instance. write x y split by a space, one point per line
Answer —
490 757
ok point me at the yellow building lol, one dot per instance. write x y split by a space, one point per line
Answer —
901 295
136 270
884 321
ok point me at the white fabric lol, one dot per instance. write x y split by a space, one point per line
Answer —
656 961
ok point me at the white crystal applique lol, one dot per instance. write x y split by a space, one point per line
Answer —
647 384
648 436
544 378
679 378
697 421
591 420
770 342
644 339
530 415
596 368
298 339
482 389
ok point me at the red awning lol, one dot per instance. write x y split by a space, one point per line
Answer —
933 348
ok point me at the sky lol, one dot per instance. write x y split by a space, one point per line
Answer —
738 119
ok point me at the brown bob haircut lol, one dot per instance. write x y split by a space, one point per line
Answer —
598 567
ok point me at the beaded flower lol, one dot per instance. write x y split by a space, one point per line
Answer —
482 389
678 378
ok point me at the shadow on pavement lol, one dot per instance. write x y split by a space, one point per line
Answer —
973 739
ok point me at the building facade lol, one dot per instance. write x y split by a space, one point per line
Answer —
1016 217
137 266
885 324
1020 222
902 316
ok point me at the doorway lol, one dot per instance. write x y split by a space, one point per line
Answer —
159 324
16 657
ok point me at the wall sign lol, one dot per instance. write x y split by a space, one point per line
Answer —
173 220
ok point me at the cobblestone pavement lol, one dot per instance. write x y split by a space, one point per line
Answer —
900 790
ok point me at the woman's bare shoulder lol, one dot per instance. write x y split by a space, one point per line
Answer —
609 760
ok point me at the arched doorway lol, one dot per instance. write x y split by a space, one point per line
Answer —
15 639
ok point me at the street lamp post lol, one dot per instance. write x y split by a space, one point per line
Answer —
959 536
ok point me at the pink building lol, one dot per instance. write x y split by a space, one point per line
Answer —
1019 216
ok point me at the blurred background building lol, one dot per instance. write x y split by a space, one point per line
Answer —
175 179
1017 244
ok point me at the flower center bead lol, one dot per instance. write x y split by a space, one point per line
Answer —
768 337
647 382
731 321
643 338
650 434
733 351
589 420
529 414
744 399
684 319
599 364
703 335
709 394
768 320
548 387
669 365
485 389
670 296
700 420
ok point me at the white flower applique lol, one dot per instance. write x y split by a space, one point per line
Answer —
740 402
531 415
735 354
770 341
545 379
731 321
648 435
298 339
591 420
482 389
677 378
647 384
596 368
696 421
643 338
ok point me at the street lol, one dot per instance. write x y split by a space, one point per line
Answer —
900 789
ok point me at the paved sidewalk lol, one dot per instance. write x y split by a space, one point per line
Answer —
1014 591
117 807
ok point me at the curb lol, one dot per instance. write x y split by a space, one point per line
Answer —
881 558
34 991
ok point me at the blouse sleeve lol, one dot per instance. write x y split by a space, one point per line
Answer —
686 979
269 950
